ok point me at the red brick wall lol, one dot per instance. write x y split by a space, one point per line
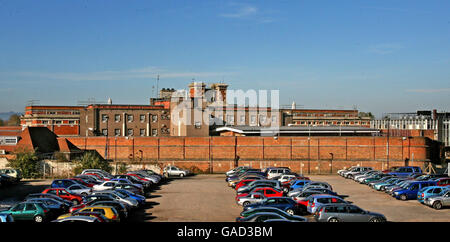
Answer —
219 152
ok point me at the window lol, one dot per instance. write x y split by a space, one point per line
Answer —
130 132
142 132
154 118
104 132
19 207
58 122
130 118
104 118
230 119
253 119
142 118
154 132
71 122
274 119
117 118
198 125
45 122
354 209
117 132
242 118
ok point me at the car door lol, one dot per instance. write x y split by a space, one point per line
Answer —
17 211
269 192
446 199
63 194
355 214
29 211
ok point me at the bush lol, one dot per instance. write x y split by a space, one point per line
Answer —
122 169
91 160
27 162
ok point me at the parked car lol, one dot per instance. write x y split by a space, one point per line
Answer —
175 171
153 178
296 185
48 195
29 211
358 170
430 191
121 209
253 197
261 217
284 203
317 184
135 180
6 180
410 191
253 184
276 172
237 169
341 172
78 219
104 174
438 202
89 200
15 173
109 212
380 186
130 188
266 191
107 185
79 189
315 201
391 169
64 194
444 181
120 197
406 171
6 218
346 213
376 178
56 206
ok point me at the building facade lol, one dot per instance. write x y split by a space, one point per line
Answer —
61 120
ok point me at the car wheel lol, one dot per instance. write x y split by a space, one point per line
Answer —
290 211
38 219
403 197
333 220
181 175
246 203
375 220
437 205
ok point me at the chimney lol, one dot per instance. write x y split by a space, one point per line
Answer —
435 115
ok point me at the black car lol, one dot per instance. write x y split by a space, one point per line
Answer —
263 216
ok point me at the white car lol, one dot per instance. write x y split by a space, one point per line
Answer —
175 171
107 185
79 190
285 178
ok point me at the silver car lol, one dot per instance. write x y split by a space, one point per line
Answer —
120 197
79 190
317 185
251 198
346 213
438 202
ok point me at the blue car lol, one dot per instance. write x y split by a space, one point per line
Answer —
286 204
298 184
431 191
63 183
140 199
404 171
410 191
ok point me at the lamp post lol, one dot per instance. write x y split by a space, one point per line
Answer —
331 163
106 138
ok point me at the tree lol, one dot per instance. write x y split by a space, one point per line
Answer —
92 160
27 162
2 123
14 120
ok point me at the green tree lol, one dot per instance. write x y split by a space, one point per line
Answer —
122 169
91 160
27 162
14 120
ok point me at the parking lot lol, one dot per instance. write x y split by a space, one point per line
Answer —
207 198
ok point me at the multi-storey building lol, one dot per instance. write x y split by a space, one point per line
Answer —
323 117
61 120
124 120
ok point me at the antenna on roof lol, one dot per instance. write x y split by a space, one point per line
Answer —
33 102
157 90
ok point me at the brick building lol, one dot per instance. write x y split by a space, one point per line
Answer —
62 120
124 120
323 117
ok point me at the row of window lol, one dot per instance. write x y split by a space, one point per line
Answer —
262 119
58 122
330 123
130 118
130 132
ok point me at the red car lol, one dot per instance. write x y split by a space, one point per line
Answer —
267 191
442 182
64 194
243 183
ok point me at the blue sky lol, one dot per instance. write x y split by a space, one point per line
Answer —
380 56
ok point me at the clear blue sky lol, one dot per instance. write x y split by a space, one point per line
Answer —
382 56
